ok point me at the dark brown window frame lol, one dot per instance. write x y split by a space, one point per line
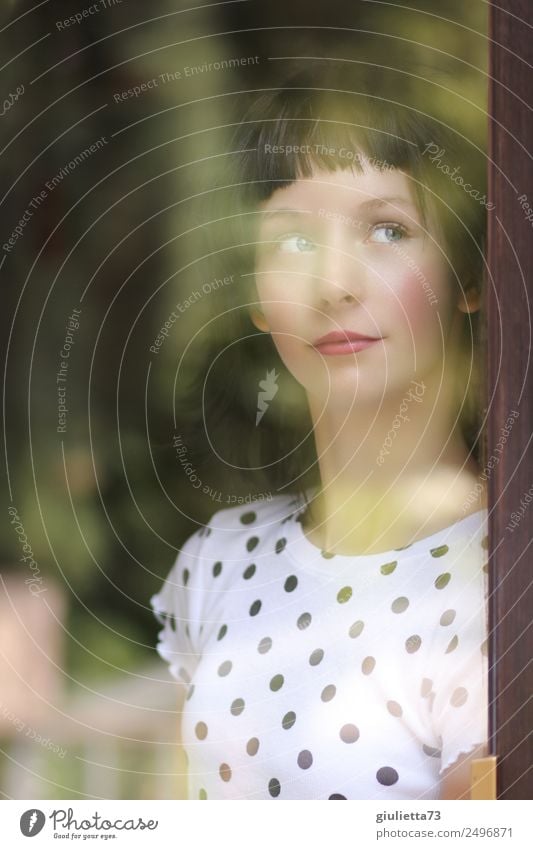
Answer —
510 384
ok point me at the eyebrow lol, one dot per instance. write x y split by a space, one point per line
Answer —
370 204
374 203
282 212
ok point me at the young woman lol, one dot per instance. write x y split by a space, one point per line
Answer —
331 640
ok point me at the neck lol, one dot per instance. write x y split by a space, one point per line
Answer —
390 473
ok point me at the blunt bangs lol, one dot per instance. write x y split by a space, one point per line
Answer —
334 122
289 134
318 121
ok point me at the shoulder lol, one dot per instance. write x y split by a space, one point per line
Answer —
462 550
459 577
208 561
269 510
232 534
244 527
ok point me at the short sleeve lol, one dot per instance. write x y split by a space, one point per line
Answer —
460 686
178 608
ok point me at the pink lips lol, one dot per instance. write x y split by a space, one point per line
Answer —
343 342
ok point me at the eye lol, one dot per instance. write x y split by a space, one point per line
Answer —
294 243
384 234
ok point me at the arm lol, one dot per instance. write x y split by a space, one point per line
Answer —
178 607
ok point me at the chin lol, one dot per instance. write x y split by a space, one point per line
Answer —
348 391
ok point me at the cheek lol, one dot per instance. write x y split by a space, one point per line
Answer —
423 305
287 329
283 304
288 320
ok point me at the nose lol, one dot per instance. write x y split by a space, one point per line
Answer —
341 279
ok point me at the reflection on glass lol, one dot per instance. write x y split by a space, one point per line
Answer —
329 622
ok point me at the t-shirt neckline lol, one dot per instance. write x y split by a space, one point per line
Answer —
302 548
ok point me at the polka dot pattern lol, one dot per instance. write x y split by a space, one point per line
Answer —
316 657
184 675
201 730
459 697
413 643
399 605
443 580
426 687
309 687
288 720
252 746
290 584
344 595
237 707
368 664
248 518
276 683
255 607
265 645
349 733
225 772
328 693
447 617
305 759
356 629
280 545
440 551
225 668
452 645
387 776
274 787
304 621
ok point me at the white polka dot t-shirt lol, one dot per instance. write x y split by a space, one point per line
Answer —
319 676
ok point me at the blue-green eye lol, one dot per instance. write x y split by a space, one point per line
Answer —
294 243
386 233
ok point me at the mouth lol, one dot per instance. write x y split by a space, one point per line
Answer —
344 342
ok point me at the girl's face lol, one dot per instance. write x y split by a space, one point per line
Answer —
347 253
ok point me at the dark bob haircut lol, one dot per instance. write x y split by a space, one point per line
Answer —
328 120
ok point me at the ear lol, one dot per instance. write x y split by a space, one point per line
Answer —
469 300
258 319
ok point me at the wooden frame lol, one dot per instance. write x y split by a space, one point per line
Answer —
510 384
